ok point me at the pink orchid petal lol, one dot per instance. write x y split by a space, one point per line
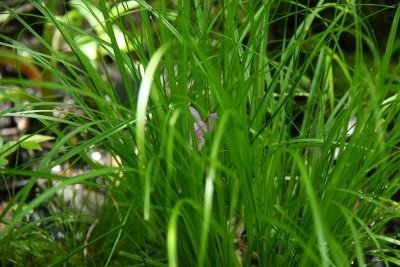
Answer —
195 113
203 126
200 127
199 133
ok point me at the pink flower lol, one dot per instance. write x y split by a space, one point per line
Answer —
200 127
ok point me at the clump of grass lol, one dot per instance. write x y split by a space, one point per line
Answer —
279 180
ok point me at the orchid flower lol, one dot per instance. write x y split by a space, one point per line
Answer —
200 127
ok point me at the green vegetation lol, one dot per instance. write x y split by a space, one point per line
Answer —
300 167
